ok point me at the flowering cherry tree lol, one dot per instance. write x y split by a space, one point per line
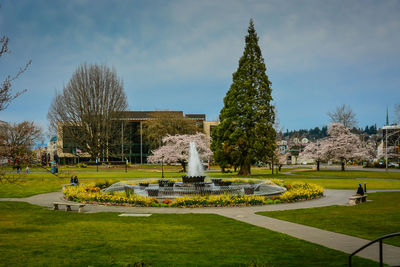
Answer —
176 149
341 145
314 150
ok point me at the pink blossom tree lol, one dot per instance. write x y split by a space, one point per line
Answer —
175 149
342 145
314 151
280 159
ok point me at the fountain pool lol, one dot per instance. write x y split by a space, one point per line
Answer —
196 183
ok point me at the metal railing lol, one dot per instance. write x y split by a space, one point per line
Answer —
380 247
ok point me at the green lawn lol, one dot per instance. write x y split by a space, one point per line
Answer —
31 235
369 220
332 183
348 174
41 181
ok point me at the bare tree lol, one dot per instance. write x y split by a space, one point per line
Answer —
344 115
165 123
17 141
88 109
6 95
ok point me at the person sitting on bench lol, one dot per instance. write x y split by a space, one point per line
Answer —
360 190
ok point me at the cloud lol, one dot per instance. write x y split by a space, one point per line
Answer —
315 51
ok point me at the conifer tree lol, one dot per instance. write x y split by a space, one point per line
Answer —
247 118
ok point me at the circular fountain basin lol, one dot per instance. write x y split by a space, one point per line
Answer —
167 189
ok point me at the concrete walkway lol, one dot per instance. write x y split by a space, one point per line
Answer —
341 242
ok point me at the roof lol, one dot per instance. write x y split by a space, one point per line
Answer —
146 115
391 127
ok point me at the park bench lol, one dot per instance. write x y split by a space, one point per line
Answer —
357 199
68 206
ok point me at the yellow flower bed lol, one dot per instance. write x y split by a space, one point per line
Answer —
295 191
301 191
81 194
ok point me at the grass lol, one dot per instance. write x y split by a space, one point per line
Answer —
369 220
41 181
31 235
332 183
348 174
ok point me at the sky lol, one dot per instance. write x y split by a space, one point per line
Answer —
180 55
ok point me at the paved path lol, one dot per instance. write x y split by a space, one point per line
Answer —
341 242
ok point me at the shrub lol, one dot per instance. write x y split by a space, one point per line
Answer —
301 191
103 185
81 165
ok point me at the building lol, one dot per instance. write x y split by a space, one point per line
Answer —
391 142
131 144
208 126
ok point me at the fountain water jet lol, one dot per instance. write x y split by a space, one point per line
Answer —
195 167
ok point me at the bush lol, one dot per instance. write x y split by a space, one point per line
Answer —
103 185
301 191
81 165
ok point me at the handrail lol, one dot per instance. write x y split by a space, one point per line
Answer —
380 247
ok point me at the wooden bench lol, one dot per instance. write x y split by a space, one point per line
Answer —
68 206
357 199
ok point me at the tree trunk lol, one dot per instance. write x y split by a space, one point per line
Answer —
317 165
183 166
245 169
280 167
342 165
272 167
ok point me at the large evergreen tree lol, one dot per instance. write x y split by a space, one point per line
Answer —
247 118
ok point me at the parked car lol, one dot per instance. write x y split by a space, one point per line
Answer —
393 164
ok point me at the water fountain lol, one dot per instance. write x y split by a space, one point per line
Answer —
195 167
194 183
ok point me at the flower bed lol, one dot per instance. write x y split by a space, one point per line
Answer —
295 192
301 191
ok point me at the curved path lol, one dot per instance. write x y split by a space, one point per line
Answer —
345 243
